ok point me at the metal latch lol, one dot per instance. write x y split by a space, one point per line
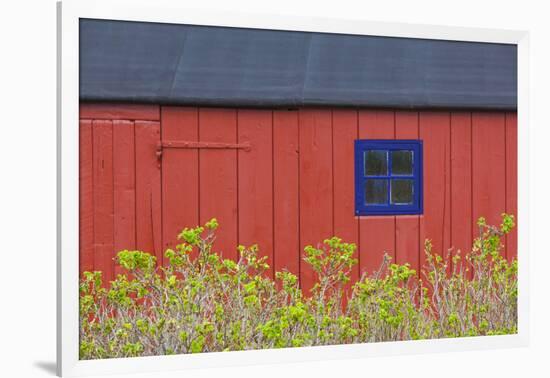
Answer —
201 145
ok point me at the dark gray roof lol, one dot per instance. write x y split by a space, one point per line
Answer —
221 66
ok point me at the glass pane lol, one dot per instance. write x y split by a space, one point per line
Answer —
376 163
402 192
376 192
401 163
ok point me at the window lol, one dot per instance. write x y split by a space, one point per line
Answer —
388 177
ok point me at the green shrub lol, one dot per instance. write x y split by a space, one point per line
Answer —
206 303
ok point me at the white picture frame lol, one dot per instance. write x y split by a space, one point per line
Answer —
69 13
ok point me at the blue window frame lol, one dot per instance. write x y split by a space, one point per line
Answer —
388 177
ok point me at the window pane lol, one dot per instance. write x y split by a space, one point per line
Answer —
376 192
376 163
402 163
402 192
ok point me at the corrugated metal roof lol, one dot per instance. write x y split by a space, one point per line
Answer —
220 66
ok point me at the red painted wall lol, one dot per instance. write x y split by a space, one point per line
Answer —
295 185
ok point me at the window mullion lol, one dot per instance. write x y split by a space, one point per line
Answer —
390 161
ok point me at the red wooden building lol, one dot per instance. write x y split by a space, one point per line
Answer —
258 129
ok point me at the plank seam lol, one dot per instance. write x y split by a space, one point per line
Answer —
420 221
199 221
135 188
359 242
332 165
506 200
394 217
445 173
93 196
161 166
236 113
113 252
299 162
472 175
272 194
451 252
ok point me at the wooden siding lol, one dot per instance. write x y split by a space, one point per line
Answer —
293 187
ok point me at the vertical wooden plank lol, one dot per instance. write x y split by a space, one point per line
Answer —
344 133
512 181
407 227
435 224
103 198
461 182
489 167
218 177
377 233
255 181
148 189
180 173
286 211
124 187
316 196
86 199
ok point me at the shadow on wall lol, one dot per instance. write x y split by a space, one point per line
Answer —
46 366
